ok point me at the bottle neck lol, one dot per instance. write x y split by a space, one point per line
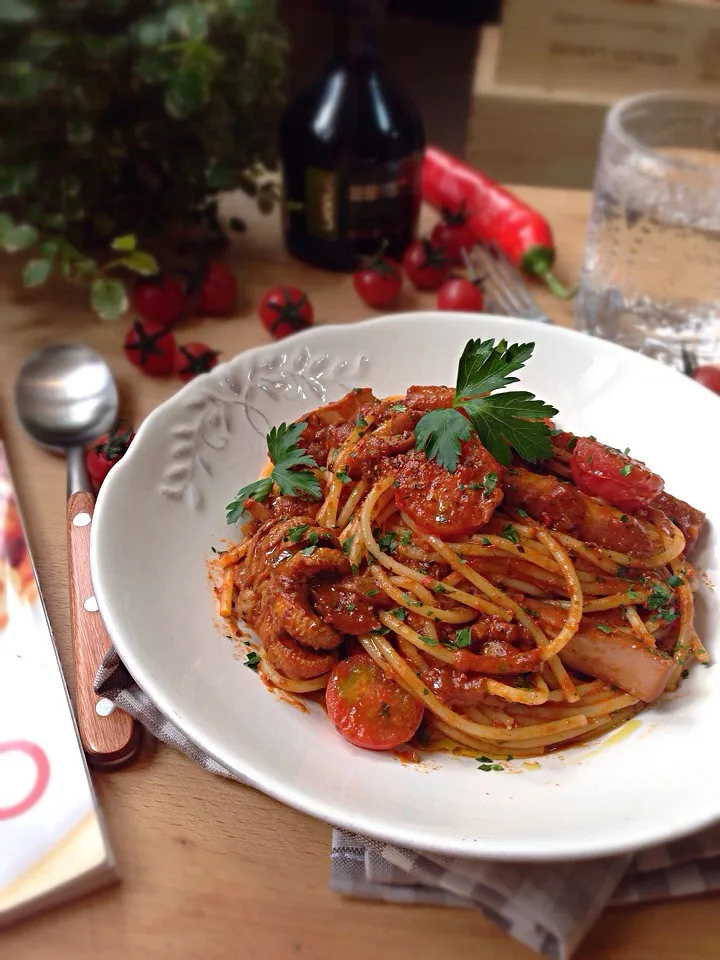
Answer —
358 29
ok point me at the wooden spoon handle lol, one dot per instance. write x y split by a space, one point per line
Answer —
109 735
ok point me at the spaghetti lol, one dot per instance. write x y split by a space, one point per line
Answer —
547 617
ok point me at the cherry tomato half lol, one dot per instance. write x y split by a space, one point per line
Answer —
601 471
450 505
460 294
369 709
426 265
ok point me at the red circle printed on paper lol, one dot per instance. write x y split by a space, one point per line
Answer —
42 776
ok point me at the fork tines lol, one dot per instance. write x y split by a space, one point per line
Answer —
505 289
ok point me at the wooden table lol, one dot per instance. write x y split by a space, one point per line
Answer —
212 869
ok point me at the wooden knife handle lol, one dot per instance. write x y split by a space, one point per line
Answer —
109 735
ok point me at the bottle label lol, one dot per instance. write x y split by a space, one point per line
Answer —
370 202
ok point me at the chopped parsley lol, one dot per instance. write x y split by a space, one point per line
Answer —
252 660
308 551
504 421
430 641
350 607
490 482
462 637
556 432
658 596
675 581
524 681
387 542
510 533
485 542
605 628
398 408
476 486
372 593
296 533
347 545
313 538
343 475
487 766
626 451
399 612
439 588
624 471
361 421
633 594
406 538
522 513
382 630
572 443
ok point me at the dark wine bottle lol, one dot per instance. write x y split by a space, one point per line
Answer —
351 147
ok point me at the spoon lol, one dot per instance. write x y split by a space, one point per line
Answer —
66 397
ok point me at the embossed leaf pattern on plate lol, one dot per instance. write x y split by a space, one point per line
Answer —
237 388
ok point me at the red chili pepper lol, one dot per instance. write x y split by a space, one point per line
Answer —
523 235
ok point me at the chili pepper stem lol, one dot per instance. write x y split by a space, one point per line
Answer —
557 288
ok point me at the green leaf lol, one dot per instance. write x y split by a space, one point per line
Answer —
140 262
6 224
189 20
257 490
186 92
462 637
36 272
283 449
439 433
17 11
108 298
125 244
484 366
294 482
19 237
513 419
152 31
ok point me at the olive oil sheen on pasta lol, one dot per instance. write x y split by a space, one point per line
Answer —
351 146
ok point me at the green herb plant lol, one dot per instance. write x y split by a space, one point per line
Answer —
122 118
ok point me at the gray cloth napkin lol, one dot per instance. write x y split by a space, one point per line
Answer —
548 907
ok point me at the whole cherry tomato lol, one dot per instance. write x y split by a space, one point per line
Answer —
107 450
454 233
159 299
192 359
378 281
460 294
218 292
151 347
602 471
285 310
708 376
425 265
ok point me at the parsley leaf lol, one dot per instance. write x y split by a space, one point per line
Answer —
258 490
372 593
512 420
484 366
439 433
658 596
295 533
398 408
605 628
406 538
462 637
399 613
430 641
347 544
489 482
675 581
387 542
510 533
344 476
626 469
252 660
286 455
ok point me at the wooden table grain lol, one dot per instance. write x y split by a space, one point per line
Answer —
211 869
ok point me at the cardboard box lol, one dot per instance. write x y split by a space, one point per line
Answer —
610 47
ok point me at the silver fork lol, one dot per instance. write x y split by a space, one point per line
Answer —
504 287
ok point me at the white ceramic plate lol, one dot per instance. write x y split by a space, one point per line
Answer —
162 508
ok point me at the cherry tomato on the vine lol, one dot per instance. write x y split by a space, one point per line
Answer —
151 347
460 294
285 310
192 359
218 290
107 450
378 281
158 299
453 233
425 264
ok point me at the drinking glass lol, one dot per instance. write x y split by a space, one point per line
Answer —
651 274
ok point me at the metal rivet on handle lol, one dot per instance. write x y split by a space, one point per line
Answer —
91 605
81 519
104 707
